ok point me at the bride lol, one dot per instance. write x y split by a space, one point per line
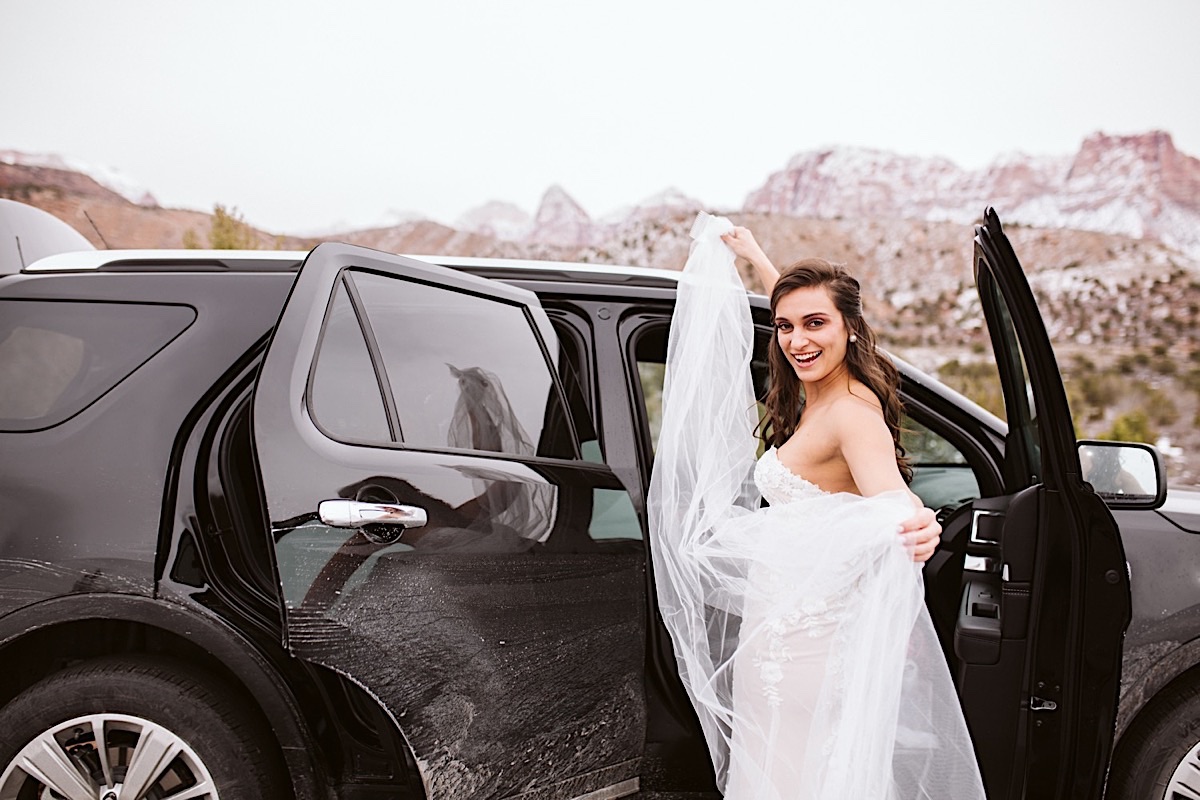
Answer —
799 628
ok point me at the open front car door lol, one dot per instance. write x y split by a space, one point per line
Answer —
1039 630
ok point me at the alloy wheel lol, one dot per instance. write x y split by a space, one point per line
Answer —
107 757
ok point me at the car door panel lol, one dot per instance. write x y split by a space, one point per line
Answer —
505 634
990 637
1038 680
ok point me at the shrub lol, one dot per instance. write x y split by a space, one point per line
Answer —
1132 426
226 231
977 380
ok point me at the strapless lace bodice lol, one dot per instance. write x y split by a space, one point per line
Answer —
778 484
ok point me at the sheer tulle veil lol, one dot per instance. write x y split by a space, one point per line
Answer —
799 629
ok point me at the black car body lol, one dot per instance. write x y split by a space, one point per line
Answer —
391 515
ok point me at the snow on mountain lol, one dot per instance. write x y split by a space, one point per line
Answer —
107 177
560 220
497 218
392 218
1137 186
668 201
851 182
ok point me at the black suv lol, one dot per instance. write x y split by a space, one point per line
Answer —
349 524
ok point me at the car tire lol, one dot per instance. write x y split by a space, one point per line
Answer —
168 729
1161 750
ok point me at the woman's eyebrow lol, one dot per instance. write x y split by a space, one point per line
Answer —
806 317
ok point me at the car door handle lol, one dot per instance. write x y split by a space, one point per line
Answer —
986 526
353 514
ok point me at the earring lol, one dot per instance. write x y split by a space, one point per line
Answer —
853 338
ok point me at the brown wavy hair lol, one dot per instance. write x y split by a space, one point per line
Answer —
784 400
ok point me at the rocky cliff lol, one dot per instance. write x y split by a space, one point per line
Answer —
1138 186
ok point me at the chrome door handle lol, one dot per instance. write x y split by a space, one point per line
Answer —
977 515
353 514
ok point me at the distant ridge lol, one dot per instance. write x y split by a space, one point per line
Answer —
1139 186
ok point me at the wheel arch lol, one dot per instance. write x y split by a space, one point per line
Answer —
45 636
1180 665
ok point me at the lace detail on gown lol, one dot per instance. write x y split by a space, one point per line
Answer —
779 484
790 610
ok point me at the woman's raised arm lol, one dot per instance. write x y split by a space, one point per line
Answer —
741 242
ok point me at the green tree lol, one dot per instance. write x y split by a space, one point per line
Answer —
227 231
1132 426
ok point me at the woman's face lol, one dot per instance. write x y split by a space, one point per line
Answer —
811 332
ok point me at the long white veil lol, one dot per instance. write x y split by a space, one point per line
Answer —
800 629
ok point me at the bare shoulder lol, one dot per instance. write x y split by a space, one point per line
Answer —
857 413
859 403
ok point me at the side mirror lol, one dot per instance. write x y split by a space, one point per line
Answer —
1124 474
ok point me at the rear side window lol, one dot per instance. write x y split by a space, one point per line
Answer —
57 358
346 398
465 372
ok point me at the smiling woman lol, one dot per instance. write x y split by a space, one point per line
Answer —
800 628
825 343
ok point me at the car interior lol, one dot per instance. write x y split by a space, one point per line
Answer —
951 474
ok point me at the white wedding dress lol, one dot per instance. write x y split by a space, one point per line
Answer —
800 629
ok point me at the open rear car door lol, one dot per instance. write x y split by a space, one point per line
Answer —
1039 631
441 539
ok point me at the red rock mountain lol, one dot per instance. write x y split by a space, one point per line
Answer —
560 220
1139 186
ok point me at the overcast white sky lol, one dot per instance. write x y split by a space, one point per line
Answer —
304 114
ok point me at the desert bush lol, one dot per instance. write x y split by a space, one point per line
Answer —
978 380
226 231
1163 410
1163 365
1132 426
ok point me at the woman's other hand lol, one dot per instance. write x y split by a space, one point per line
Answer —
922 534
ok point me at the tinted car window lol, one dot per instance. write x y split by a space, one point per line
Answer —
941 475
650 356
57 358
570 372
346 400
1020 409
467 372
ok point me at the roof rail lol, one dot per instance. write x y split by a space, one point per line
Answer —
287 260
134 260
